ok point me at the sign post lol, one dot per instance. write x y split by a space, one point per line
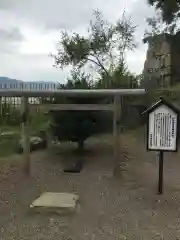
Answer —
160 183
162 132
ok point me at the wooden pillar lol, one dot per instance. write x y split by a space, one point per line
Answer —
25 134
49 139
116 131
0 108
49 136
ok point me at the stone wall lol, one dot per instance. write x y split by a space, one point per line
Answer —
157 66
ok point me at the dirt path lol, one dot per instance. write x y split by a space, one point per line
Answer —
126 207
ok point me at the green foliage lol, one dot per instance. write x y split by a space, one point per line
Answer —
170 9
103 50
157 28
104 47
8 144
39 122
79 80
121 78
74 126
10 115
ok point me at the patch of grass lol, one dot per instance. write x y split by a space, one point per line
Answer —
4 128
39 122
10 135
8 144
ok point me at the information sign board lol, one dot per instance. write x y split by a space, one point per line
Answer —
162 129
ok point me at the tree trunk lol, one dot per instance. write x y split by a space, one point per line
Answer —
80 145
25 135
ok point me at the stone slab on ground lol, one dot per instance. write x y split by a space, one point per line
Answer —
58 202
36 143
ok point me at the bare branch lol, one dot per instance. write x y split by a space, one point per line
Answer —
99 63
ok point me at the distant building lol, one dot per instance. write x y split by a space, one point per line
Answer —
29 86
26 86
162 64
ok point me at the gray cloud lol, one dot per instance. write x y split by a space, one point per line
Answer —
30 68
9 39
141 11
58 14
54 15
13 34
63 14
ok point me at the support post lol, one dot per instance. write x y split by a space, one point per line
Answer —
160 183
116 129
25 134
49 139
0 108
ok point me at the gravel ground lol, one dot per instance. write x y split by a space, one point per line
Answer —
124 207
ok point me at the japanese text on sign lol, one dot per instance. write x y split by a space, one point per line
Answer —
162 129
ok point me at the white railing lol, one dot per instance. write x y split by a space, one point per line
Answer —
25 86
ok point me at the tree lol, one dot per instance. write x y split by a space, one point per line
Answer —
170 9
121 78
157 27
103 49
75 126
10 114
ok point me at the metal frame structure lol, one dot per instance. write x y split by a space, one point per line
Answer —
50 90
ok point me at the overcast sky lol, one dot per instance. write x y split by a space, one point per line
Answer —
29 30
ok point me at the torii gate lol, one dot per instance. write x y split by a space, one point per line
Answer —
25 90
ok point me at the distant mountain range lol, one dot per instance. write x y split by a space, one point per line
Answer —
13 81
8 81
